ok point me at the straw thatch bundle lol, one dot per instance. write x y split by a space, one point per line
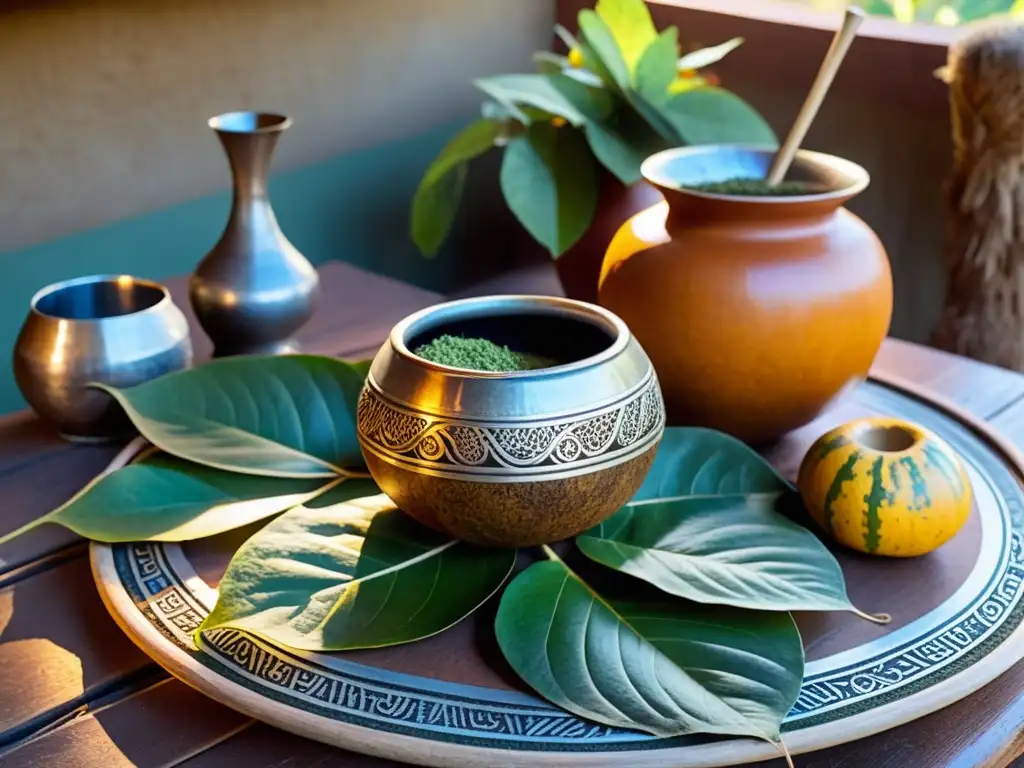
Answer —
984 313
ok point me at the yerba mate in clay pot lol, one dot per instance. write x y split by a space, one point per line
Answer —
756 311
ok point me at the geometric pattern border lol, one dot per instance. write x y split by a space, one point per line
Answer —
607 436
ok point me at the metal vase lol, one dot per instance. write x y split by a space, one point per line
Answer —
254 289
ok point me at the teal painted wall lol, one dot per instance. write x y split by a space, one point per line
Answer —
107 164
353 208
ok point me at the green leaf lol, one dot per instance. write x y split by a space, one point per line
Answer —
554 94
631 26
601 53
879 8
511 124
433 210
621 148
668 667
705 57
729 550
361 367
440 191
692 461
359 574
615 153
657 67
654 118
287 416
549 180
471 142
714 517
162 498
567 37
548 63
584 76
716 116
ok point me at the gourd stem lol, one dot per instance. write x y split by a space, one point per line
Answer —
347 474
26 528
781 746
551 554
874 618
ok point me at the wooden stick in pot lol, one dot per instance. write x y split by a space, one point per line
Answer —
827 72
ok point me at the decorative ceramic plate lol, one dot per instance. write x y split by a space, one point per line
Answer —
451 701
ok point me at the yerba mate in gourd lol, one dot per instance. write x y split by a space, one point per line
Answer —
478 355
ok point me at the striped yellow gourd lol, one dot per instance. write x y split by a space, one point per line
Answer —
885 487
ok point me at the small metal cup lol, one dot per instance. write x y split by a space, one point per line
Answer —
111 329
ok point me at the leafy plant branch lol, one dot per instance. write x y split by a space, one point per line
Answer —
622 93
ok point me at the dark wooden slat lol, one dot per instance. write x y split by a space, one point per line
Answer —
263 746
23 442
75 550
1010 422
36 487
160 726
360 308
59 648
984 390
537 279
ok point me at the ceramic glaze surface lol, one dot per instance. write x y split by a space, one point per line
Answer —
756 312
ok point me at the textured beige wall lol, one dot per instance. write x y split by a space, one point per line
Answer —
103 103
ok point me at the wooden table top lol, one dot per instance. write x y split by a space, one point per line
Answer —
75 692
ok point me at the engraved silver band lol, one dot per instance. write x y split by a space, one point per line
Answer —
486 451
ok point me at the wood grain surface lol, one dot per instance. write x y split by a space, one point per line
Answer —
56 653
163 724
75 692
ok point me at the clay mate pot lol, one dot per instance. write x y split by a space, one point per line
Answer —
756 311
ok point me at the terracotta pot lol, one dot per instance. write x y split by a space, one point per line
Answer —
580 267
756 311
